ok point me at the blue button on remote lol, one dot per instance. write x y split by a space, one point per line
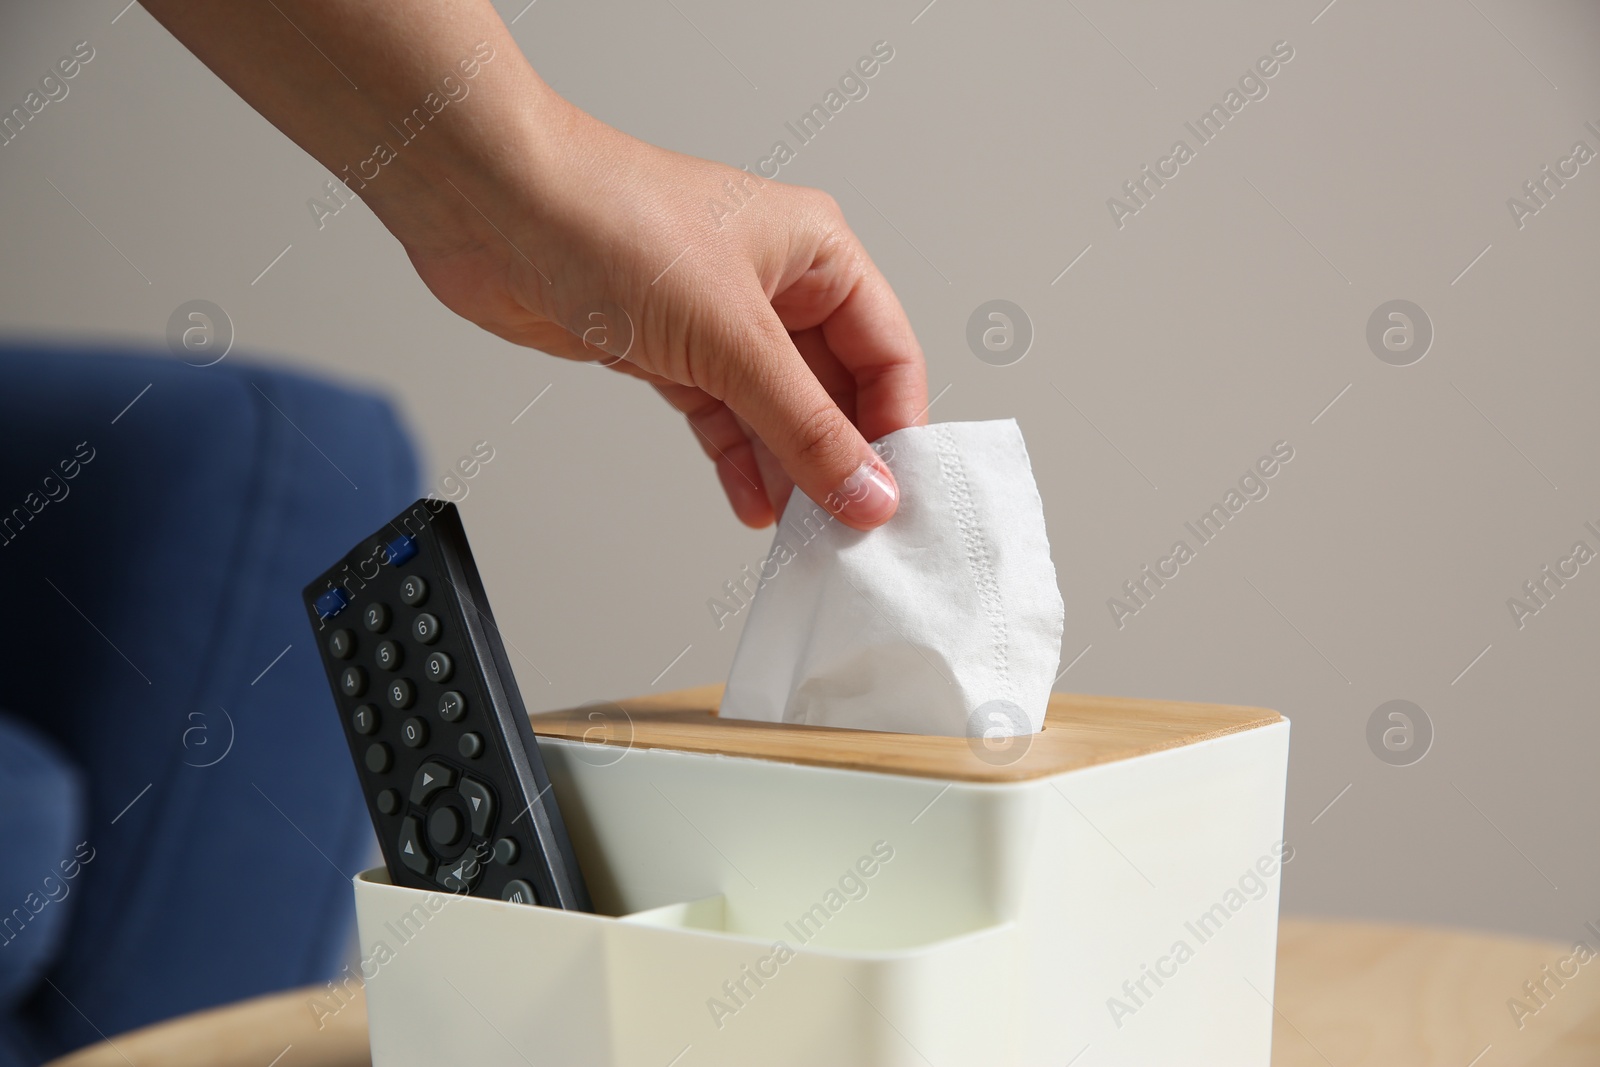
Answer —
332 602
401 549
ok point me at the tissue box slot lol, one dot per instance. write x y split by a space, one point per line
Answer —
812 855
708 913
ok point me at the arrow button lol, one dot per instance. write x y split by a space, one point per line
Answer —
431 777
459 876
481 801
412 854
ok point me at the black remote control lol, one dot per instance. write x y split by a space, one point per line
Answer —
457 791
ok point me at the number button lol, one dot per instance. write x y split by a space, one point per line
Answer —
402 693
440 667
388 655
425 628
376 618
414 733
365 719
352 681
452 706
341 643
413 589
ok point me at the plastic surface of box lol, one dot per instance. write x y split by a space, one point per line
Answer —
785 895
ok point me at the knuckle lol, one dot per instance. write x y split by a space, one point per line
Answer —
821 437
723 355
812 208
825 215
699 407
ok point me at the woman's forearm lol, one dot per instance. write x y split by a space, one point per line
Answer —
399 99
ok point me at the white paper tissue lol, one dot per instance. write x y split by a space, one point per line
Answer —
945 620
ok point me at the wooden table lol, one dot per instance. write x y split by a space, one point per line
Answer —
1357 994
1348 995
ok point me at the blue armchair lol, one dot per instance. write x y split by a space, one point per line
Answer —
178 815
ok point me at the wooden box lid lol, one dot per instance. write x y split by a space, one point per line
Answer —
1080 731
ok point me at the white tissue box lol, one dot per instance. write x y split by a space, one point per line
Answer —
773 895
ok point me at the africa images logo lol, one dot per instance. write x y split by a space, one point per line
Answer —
1252 85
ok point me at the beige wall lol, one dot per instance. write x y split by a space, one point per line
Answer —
1221 318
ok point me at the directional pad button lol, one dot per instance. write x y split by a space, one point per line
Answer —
480 803
431 777
412 853
461 873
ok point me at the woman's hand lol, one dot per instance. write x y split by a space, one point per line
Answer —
747 303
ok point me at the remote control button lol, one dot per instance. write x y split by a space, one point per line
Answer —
341 643
388 655
425 628
352 681
365 719
480 804
401 549
413 589
431 777
452 706
506 851
412 854
444 826
517 892
439 667
379 758
376 618
388 802
414 733
470 746
402 693
458 875
332 602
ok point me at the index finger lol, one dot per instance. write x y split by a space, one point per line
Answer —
839 291
873 340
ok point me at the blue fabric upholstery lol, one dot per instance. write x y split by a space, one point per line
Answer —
41 820
153 555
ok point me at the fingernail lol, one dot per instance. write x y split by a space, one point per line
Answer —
868 497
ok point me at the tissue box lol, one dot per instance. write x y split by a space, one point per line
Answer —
777 894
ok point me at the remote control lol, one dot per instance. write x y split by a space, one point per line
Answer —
452 775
